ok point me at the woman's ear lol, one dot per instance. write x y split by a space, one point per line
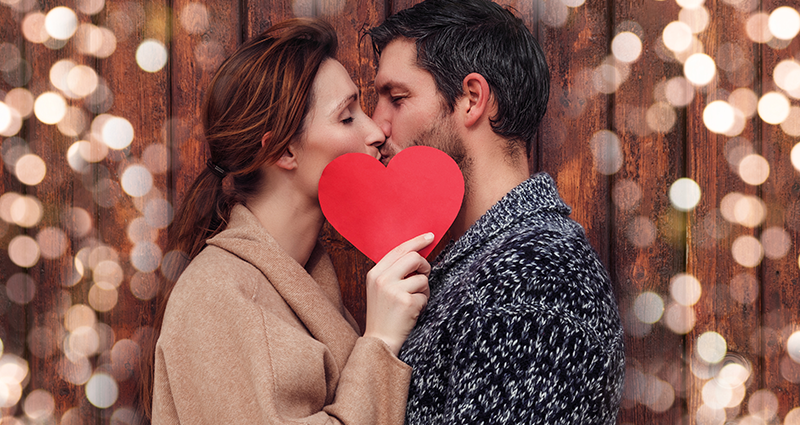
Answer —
477 94
288 159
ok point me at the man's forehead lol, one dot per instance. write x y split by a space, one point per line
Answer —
396 61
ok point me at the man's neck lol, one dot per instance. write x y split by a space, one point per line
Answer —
489 179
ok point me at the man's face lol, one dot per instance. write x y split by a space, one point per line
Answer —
410 110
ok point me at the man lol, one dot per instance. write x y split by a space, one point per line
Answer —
522 326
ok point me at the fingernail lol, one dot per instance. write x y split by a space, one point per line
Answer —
429 236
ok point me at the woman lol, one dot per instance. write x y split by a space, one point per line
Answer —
254 330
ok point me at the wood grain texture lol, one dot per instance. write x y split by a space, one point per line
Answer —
647 233
780 272
711 259
617 210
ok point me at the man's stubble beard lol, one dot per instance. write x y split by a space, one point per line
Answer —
442 136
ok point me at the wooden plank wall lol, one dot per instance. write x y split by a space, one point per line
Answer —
616 137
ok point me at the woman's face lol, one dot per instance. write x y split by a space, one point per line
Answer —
335 124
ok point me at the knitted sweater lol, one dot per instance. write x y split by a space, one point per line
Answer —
522 326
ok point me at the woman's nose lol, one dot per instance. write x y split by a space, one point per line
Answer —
375 137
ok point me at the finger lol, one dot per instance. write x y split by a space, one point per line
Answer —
411 245
417 284
409 264
420 300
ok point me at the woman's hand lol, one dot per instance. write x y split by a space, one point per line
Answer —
397 291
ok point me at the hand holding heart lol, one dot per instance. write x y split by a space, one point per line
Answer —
379 210
397 291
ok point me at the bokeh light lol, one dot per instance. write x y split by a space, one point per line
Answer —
30 169
795 156
711 347
52 242
793 346
50 107
677 36
82 80
606 151
136 180
773 108
763 404
685 289
23 251
747 251
776 242
696 18
680 319
754 169
757 28
91 7
61 23
661 117
102 390
784 23
793 417
787 75
626 47
21 288
33 27
684 194
151 56
116 132
648 307
679 91
700 69
21 100
719 116
744 100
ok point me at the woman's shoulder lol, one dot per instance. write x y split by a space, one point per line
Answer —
216 274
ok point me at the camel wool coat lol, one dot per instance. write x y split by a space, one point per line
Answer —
252 337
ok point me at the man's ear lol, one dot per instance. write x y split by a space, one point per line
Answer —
476 94
288 159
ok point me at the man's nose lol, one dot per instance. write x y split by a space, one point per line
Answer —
381 117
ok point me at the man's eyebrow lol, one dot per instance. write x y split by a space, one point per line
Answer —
352 98
388 86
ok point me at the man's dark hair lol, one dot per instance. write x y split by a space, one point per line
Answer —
457 37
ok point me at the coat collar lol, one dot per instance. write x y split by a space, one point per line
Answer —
530 197
312 292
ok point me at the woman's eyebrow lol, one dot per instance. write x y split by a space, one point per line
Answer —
352 98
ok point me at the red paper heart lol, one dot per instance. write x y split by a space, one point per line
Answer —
377 208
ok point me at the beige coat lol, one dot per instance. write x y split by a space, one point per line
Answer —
251 337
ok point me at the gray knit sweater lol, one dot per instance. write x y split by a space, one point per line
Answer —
522 326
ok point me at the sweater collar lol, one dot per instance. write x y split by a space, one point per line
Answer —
532 196
311 292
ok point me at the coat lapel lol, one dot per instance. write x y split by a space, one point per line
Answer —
313 295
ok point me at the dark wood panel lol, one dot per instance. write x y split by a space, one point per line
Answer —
780 272
55 193
355 53
711 259
647 233
575 113
163 108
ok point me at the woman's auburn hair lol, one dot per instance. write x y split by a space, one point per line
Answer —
255 107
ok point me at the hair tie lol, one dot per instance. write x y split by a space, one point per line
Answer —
216 169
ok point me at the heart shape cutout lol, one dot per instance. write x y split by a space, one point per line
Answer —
377 208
